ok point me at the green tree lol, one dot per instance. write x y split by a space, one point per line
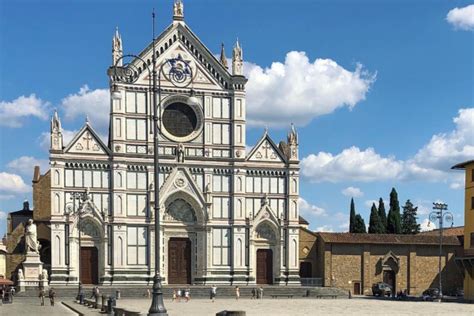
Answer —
382 216
409 224
359 225
393 219
352 217
375 225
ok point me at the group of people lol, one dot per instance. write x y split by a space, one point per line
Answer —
6 294
51 295
178 294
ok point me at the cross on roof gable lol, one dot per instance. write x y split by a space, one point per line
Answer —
87 141
266 150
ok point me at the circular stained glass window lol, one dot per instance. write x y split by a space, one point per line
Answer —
179 119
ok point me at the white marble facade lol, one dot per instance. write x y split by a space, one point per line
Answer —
228 203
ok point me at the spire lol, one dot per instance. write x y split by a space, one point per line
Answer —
237 60
178 10
117 50
292 140
56 133
223 59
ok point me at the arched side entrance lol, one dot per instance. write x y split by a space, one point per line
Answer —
390 267
266 247
90 259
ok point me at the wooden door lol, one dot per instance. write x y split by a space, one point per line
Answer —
306 270
89 265
356 288
264 266
389 278
179 261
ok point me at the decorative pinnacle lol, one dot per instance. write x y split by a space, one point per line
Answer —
223 59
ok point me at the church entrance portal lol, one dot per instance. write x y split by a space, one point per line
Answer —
89 265
389 278
179 261
264 266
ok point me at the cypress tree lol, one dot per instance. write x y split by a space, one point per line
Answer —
382 216
359 225
352 217
375 226
393 219
409 224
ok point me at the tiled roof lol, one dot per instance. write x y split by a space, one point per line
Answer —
462 165
350 238
450 231
302 221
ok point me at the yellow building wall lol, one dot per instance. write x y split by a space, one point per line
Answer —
468 230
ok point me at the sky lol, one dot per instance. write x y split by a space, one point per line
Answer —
381 92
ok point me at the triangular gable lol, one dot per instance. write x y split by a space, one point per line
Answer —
266 150
181 180
178 37
265 214
87 141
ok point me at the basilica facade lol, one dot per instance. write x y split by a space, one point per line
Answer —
229 215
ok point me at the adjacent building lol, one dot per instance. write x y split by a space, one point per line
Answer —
228 215
466 259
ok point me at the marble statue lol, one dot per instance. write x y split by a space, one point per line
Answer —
31 241
21 276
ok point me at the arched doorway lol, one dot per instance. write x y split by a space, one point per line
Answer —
265 241
89 252
180 212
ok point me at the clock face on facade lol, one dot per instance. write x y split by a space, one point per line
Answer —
179 119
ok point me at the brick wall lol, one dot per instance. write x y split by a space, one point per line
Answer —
42 197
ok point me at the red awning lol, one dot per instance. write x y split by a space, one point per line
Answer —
5 281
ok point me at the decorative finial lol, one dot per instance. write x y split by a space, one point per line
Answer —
237 60
178 10
223 59
87 119
117 51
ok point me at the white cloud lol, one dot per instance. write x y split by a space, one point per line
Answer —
368 203
3 215
462 18
325 228
25 165
424 225
446 149
13 183
300 90
432 162
352 192
92 103
12 113
310 209
455 185
6 196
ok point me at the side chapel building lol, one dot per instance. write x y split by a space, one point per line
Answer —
227 216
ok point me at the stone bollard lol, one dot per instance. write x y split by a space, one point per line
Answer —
117 294
96 305
104 303
231 313
111 303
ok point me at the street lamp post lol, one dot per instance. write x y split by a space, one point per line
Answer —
440 216
72 208
180 75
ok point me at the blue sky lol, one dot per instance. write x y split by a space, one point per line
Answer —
382 88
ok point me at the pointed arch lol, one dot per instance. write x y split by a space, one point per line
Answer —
200 216
57 177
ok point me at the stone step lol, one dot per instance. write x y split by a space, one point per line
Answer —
196 291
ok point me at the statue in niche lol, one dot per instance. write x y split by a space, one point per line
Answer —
264 231
182 211
31 241
180 153
265 200
21 276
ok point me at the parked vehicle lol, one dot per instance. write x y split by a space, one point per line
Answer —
430 294
381 289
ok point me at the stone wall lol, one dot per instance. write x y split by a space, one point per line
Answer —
345 264
42 197
307 249
15 250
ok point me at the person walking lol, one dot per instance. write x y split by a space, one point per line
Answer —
187 295
179 295
174 296
237 293
260 292
52 295
254 294
41 296
213 293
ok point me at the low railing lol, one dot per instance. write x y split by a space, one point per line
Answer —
311 281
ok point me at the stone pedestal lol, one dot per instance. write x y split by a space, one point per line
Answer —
32 272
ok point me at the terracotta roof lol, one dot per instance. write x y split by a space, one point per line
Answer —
450 231
462 165
349 238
